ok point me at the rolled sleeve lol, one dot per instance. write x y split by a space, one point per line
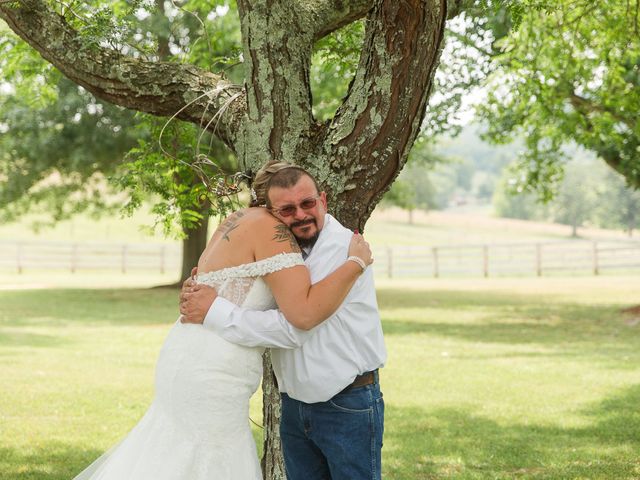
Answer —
219 313
253 328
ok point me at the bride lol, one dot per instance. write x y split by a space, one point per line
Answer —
197 426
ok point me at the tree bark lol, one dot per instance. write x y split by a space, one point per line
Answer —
355 157
272 460
368 141
193 246
160 88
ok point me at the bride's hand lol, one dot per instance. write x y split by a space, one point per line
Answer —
195 302
360 248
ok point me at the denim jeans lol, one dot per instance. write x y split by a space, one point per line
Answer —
340 439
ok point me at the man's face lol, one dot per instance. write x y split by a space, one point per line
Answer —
305 224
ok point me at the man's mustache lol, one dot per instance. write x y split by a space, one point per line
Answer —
302 223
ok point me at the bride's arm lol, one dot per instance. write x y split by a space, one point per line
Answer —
305 305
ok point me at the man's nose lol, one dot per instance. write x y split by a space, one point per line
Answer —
300 213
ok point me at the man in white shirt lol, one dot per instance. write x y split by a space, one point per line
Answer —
332 409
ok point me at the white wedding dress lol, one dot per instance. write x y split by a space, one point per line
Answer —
197 427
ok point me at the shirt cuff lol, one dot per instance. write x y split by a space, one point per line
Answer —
218 313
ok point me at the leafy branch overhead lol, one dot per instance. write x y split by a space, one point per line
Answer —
267 112
569 76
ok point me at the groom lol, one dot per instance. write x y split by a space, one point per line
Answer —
332 409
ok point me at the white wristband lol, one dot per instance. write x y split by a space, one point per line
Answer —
359 261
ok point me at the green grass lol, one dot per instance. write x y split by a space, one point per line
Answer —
486 379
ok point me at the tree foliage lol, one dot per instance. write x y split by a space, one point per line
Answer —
64 151
355 154
58 144
414 189
589 194
569 75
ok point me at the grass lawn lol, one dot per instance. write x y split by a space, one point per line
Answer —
530 378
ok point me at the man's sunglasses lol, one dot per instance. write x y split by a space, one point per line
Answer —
288 210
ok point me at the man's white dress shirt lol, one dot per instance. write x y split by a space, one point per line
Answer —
313 366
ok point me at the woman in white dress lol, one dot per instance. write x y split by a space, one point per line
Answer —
197 426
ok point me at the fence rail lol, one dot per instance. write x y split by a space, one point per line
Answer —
570 257
518 259
21 256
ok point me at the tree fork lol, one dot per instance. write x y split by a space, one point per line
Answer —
355 157
371 135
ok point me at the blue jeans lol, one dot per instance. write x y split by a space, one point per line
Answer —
340 439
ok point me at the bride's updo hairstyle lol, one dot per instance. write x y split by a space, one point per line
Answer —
276 174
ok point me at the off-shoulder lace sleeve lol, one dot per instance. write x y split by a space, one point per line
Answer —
235 283
272 264
254 269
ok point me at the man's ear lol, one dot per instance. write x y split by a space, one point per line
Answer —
323 199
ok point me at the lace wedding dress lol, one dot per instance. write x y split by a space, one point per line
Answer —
197 427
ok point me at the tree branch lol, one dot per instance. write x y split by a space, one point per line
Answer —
456 7
326 16
277 68
605 150
386 103
158 88
585 106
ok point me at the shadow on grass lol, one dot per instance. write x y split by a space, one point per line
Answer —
445 443
12 339
52 461
499 318
456 444
58 307
393 298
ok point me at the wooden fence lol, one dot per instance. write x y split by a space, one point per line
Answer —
75 256
518 259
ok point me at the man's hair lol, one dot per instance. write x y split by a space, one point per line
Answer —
276 174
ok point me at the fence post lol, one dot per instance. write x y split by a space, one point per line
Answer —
124 258
538 259
19 257
74 257
485 260
596 269
162 251
436 269
389 262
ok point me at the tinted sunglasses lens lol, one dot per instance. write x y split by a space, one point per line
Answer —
287 211
308 203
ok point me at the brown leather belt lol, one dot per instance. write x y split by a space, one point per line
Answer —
367 378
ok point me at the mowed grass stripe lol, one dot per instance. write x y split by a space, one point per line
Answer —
486 379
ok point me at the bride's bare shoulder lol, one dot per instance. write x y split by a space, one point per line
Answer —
265 226
257 229
252 218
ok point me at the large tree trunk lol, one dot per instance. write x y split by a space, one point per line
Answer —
355 157
193 245
272 461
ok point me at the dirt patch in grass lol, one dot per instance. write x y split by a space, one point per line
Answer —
632 315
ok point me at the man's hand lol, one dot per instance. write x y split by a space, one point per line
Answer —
195 300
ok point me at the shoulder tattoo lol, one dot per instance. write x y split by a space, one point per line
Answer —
283 234
231 223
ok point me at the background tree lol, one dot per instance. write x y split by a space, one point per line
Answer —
57 143
576 197
590 193
414 189
569 75
401 195
65 152
618 205
510 201
355 155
